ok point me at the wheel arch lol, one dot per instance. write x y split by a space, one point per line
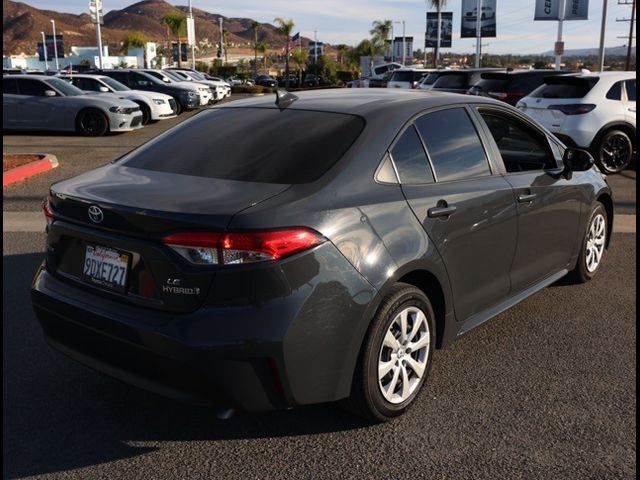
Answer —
94 108
620 125
606 200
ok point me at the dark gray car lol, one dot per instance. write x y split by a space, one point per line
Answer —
319 249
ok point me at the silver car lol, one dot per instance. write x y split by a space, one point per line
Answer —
39 102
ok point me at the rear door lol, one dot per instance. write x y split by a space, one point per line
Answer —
630 101
468 212
34 109
548 203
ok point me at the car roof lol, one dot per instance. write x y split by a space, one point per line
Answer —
364 102
33 77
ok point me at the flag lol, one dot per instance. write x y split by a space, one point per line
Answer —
295 37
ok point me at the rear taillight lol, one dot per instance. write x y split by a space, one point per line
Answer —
46 209
233 248
573 109
498 95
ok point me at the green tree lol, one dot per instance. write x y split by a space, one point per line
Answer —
380 31
261 47
285 27
135 40
341 52
177 24
367 48
300 57
437 4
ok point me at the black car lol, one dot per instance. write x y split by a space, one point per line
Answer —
509 86
266 81
186 99
459 81
311 80
324 259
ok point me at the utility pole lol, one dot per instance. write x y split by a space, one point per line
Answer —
603 29
55 44
404 45
44 48
478 32
632 22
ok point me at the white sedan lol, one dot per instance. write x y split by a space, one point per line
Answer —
154 105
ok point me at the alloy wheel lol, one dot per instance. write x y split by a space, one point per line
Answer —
403 355
595 242
615 152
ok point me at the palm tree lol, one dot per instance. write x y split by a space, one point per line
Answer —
261 47
341 50
437 4
368 48
300 57
285 27
135 40
255 26
381 30
177 24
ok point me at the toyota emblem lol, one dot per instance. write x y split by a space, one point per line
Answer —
95 214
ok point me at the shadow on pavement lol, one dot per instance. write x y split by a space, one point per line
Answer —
59 415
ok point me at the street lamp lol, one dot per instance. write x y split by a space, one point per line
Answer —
44 49
55 44
404 47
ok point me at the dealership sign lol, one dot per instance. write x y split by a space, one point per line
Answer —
51 51
95 11
573 10
446 29
470 18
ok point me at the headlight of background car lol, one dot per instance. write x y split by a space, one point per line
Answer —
158 101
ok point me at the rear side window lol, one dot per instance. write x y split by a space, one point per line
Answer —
9 85
569 87
403 76
631 90
122 77
252 144
615 92
453 145
34 88
410 159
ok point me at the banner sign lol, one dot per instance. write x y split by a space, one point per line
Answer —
50 50
573 10
183 51
95 11
446 29
470 16
191 32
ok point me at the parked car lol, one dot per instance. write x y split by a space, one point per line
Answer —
234 81
207 92
220 89
187 98
153 105
459 81
266 81
429 79
224 273
596 111
406 77
40 102
311 80
509 86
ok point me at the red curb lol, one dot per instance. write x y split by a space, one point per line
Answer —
30 169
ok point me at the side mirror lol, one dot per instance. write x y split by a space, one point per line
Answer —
103 89
577 160
50 93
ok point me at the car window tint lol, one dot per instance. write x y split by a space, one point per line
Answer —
288 146
122 77
9 85
410 159
87 84
631 89
34 88
458 80
521 147
615 92
564 87
139 81
453 145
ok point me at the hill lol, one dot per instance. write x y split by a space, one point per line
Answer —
23 23
585 52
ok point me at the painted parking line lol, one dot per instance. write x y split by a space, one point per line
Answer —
34 222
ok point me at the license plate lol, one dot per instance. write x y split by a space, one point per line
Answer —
105 267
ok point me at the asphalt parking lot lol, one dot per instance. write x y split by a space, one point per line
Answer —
546 390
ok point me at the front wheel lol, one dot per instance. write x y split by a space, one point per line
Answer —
92 122
593 246
614 151
178 106
396 355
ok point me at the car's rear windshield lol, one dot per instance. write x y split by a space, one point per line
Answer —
451 80
263 145
564 87
406 76
431 78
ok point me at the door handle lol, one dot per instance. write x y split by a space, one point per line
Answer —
632 109
440 211
526 198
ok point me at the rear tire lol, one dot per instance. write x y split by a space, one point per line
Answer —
613 151
593 246
396 356
92 122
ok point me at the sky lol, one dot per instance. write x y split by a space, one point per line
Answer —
349 21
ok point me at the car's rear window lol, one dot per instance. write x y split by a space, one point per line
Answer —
564 87
406 76
453 80
263 145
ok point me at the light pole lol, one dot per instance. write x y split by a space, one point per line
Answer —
55 45
478 32
393 44
44 49
404 48
315 47
193 37
559 45
221 41
603 28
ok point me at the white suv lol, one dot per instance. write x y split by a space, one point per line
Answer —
594 111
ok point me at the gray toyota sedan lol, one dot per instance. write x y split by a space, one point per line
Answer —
317 247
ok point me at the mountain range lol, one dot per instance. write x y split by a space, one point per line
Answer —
585 52
23 23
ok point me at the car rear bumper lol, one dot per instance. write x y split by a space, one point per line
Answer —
299 347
